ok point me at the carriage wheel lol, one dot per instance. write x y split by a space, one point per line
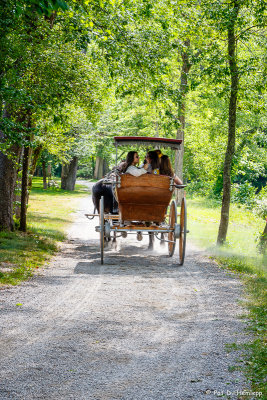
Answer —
102 229
183 227
172 222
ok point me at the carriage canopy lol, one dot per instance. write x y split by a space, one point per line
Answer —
147 141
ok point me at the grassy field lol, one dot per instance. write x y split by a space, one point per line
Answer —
49 215
243 232
240 254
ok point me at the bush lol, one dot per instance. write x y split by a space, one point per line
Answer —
243 193
85 172
198 188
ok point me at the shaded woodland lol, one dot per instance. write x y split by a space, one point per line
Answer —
76 73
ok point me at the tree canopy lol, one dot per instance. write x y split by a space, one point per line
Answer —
75 73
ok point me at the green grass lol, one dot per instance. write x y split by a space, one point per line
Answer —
243 232
49 215
240 255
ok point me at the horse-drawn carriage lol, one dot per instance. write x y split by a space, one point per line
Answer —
145 205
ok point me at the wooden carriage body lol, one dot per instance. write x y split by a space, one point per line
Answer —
143 203
144 198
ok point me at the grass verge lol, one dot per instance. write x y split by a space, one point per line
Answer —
49 215
240 255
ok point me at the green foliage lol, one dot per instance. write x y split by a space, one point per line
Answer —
243 193
243 232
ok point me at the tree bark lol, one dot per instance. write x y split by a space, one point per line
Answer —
17 192
8 176
68 175
179 154
35 156
99 168
230 150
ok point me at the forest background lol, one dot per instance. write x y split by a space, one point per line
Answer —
76 73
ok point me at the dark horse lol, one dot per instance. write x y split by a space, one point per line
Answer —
101 189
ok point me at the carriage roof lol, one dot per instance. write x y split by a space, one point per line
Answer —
147 141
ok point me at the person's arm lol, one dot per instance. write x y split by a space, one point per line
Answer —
135 171
177 180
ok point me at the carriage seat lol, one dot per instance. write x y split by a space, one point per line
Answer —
143 198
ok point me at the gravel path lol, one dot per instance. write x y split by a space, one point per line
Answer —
138 327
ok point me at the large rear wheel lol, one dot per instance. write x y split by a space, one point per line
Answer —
183 228
102 229
172 222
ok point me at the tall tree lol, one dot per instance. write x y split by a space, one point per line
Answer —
45 71
230 150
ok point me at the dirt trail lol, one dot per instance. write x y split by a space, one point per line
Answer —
138 327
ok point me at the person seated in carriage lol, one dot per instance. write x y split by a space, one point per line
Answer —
166 169
151 164
153 161
160 164
132 160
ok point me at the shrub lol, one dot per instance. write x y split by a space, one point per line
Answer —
85 172
243 193
198 188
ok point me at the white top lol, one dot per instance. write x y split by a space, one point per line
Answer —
135 171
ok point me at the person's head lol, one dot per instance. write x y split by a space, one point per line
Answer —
165 166
132 158
153 159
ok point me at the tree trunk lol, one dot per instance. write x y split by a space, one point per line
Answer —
231 130
8 176
24 188
35 156
44 175
99 168
179 154
17 192
68 175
